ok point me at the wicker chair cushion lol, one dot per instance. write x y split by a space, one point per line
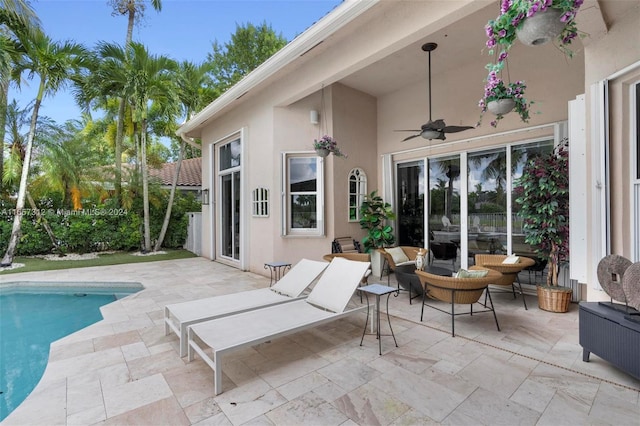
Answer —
511 259
397 254
463 273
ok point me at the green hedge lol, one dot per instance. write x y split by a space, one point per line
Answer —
98 227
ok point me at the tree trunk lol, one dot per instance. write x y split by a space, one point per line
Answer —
118 152
145 186
44 222
7 260
174 184
552 275
4 99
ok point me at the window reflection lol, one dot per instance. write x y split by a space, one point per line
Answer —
411 204
487 202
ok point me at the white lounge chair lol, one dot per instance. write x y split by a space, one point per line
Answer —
327 302
178 316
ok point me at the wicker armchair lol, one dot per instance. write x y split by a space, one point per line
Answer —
461 291
509 272
390 265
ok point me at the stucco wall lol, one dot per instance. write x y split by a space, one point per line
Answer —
617 50
355 128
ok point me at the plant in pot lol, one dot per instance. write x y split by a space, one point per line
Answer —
374 215
542 194
497 93
327 145
516 17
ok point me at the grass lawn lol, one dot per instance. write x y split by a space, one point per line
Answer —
32 264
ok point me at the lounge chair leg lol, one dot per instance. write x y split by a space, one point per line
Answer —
217 373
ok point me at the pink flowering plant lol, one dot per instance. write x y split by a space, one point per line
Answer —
496 89
501 32
328 143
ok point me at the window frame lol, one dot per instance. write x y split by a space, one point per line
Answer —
360 178
287 193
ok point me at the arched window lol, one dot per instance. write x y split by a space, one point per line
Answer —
357 192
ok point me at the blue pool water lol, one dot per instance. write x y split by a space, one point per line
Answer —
30 320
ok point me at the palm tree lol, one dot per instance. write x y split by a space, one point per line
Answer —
134 9
16 18
150 80
53 63
194 93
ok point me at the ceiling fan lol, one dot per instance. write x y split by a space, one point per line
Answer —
433 129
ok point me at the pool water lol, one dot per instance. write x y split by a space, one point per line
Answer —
29 323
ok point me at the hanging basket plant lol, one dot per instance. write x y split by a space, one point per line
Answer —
500 98
503 31
327 145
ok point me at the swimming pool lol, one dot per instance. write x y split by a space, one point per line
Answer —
32 316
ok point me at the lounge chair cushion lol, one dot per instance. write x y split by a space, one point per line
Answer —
334 295
296 280
397 254
463 273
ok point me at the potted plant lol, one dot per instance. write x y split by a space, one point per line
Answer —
514 14
496 93
374 214
327 145
542 193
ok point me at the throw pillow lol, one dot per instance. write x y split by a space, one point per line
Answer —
511 259
397 254
463 273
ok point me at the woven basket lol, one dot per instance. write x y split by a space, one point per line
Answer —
554 299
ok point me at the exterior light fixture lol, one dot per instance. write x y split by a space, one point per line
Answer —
314 117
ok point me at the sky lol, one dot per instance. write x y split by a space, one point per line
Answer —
182 30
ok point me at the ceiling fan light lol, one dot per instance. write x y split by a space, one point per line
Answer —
430 134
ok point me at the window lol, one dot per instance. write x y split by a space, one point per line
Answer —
261 202
357 192
304 195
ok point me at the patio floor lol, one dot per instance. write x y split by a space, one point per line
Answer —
124 370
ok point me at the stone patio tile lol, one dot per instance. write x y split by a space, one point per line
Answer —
309 410
152 364
116 340
348 373
302 385
488 408
190 384
133 395
244 403
367 406
202 410
166 411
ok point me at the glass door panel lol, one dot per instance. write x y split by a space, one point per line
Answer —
444 209
487 202
520 155
228 226
410 213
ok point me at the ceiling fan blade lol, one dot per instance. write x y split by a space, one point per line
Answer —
455 129
407 130
435 124
410 137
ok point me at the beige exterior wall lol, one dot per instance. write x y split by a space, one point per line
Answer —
274 116
618 50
